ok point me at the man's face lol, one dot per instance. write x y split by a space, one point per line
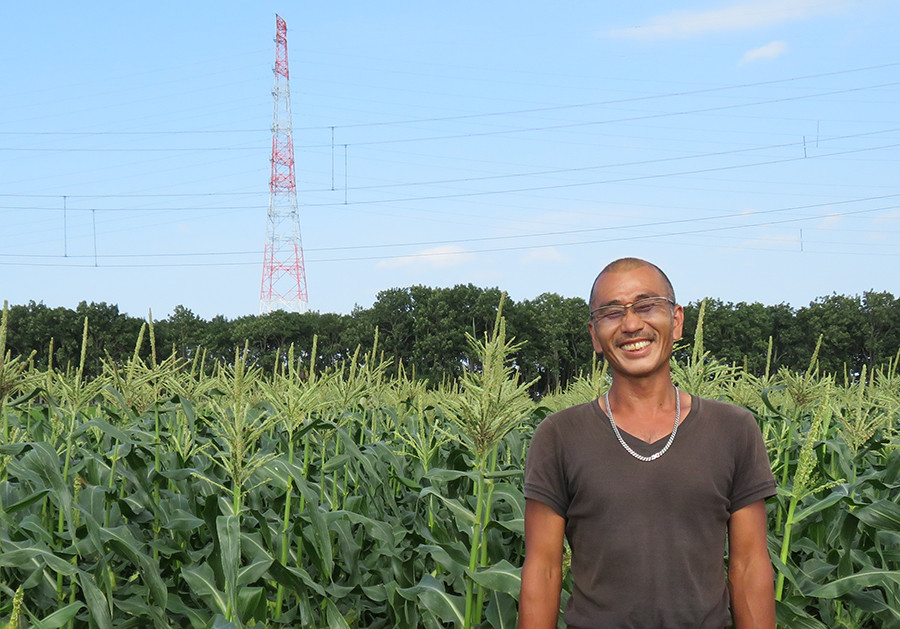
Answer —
635 345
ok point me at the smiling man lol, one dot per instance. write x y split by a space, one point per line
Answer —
648 484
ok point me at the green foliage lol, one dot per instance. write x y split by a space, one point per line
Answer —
423 331
186 491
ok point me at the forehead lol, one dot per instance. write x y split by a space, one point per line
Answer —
624 286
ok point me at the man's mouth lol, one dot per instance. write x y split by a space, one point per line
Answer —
635 345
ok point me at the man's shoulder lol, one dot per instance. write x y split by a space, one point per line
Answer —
577 413
719 408
569 418
563 431
725 416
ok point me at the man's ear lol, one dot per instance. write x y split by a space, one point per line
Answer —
597 347
678 323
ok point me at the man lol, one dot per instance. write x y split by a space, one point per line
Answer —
646 483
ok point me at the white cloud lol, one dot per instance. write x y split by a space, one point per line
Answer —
830 221
437 257
772 241
888 217
769 51
543 255
738 17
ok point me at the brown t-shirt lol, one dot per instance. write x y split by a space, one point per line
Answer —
648 538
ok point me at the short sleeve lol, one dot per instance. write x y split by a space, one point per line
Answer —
753 479
544 471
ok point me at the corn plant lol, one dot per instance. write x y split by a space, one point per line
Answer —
175 493
491 404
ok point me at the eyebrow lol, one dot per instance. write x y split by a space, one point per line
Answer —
616 302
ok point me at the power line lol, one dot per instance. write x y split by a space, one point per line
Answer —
557 127
124 196
563 171
512 237
635 178
604 240
130 149
128 209
492 114
610 181
135 255
676 159
610 228
591 123
557 171
620 101
131 133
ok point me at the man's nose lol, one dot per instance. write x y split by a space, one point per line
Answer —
631 320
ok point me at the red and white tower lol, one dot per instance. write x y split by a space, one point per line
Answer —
284 271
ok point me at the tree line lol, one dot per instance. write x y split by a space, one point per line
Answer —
423 329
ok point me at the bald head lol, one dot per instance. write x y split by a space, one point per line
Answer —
629 264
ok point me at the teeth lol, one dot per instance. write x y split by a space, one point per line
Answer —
635 346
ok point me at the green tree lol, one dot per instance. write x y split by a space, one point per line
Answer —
111 334
182 330
219 340
32 326
739 333
881 326
442 317
426 327
557 345
840 321
392 315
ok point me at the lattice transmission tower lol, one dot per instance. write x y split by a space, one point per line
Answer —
284 271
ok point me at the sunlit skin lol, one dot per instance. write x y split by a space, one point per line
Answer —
642 397
638 352
635 348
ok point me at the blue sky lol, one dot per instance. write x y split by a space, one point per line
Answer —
748 148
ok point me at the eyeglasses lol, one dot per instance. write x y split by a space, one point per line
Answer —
644 308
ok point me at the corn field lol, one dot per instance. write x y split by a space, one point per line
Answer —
173 493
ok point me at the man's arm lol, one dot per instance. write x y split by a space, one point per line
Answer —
542 569
750 577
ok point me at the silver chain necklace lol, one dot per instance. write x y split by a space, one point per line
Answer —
641 457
